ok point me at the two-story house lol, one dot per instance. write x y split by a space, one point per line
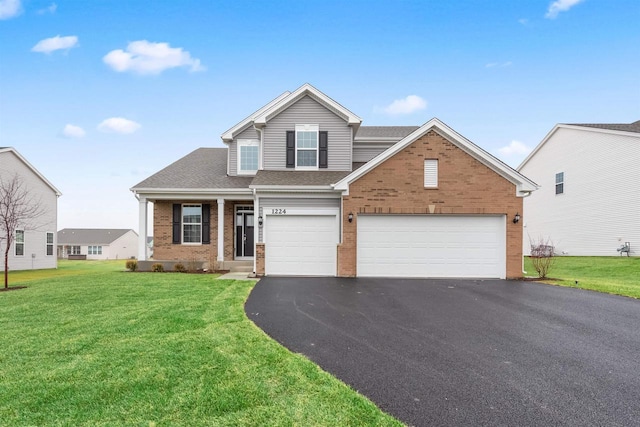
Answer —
34 239
301 188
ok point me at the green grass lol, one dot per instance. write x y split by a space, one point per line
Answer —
106 347
613 275
66 268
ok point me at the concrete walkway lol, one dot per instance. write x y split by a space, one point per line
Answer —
240 275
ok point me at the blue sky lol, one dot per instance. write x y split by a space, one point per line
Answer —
100 94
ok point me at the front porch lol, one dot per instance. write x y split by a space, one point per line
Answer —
214 234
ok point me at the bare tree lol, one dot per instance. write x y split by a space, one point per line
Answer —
542 255
18 209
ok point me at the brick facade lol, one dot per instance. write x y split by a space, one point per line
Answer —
165 250
465 186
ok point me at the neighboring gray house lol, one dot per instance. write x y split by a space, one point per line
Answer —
34 243
589 201
97 243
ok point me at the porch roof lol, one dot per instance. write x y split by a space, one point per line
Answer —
202 168
297 178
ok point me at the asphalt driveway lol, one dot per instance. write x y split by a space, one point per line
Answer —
465 352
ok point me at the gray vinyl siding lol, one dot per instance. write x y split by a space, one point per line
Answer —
291 202
366 153
307 111
248 133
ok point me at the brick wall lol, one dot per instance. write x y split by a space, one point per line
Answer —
164 250
260 259
465 186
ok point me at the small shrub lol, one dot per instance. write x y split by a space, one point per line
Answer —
192 265
179 268
132 265
157 268
542 255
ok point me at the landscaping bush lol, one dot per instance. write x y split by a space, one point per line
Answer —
542 255
132 265
157 268
179 268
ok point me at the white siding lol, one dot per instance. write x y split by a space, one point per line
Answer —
124 247
35 248
248 133
307 111
600 207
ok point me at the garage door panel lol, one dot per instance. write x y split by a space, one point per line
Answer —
431 246
301 245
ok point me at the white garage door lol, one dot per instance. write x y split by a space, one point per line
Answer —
431 246
301 245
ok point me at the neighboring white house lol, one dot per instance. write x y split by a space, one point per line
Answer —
589 200
34 242
97 243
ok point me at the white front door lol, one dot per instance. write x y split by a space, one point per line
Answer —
431 246
301 245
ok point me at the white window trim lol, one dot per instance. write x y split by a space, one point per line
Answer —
556 183
246 143
182 224
16 243
307 128
46 244
431 173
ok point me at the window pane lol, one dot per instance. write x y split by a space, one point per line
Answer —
559 177
559 188
19 236
191 214
307 158
49 249
99 250
249 158
191 233
307 139
50 238
19 249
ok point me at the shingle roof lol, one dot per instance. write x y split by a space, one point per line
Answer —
271 177
90 236
384 131
625 127
202 168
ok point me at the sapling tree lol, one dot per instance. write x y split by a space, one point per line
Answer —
19 209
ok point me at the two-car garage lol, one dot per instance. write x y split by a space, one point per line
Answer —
431 246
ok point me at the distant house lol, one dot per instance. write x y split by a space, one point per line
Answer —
34 243
97 243
589 202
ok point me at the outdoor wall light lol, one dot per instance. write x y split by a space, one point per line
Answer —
350 217
260 220
516 219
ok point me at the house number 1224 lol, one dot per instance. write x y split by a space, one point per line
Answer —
278 211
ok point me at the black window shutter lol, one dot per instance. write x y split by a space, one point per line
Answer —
206 224
291 149
177 223
323 152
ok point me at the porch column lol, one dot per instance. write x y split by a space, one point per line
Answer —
220 229
256 230
142 229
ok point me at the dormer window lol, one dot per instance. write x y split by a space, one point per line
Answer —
248 156
307 146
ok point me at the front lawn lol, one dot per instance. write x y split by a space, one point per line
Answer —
120 348
614 275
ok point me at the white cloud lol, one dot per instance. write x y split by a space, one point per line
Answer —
523 21
407 105
515 148
560 6
49 9
10 9
145 57
498 64
55 43
118 125
72 131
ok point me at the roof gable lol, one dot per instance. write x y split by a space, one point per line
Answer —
631 129
261 119
228 135
523 184
30 166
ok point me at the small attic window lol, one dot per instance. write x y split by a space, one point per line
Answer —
431 173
